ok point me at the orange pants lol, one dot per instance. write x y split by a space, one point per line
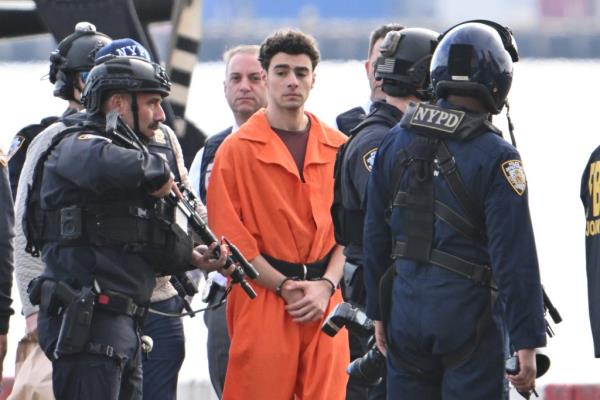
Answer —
273 358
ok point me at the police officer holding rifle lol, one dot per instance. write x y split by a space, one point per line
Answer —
105 233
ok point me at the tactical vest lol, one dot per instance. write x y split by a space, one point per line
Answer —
348 224
426 154
208 156
348 120
132 221
18 149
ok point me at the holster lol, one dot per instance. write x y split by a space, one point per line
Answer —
76 308
353 289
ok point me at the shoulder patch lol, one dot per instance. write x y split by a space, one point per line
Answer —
434 117
369 158
15 145
3 159
159 136
515 175
89 136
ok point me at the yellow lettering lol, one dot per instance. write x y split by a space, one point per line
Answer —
592 228
594 187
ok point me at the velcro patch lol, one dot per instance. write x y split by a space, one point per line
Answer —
515 175
434 117
369 158
89 136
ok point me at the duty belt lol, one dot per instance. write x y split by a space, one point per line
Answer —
303 271
481 274
120 304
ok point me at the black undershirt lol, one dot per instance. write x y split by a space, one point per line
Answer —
296 142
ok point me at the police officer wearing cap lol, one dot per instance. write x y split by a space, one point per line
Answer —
447 201
106 231
161 364
403 69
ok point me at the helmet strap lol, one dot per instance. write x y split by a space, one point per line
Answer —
511 127
134 112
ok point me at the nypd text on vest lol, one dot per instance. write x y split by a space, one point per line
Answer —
434 117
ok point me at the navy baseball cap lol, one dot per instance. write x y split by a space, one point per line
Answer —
124 47
121 47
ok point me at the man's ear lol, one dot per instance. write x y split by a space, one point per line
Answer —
117 101
314 78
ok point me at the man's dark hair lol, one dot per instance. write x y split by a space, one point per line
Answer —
380 33
290 42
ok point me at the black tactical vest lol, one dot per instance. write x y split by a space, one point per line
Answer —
131 221
348 224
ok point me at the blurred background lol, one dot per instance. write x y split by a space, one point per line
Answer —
554 108
545 28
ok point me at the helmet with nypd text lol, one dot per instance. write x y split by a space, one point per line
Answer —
75 54
475 59
404 63
114 74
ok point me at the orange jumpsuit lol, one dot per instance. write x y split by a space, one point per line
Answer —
257 200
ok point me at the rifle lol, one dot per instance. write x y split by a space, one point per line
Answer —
550 309
187 205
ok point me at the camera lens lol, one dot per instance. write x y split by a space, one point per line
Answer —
369 369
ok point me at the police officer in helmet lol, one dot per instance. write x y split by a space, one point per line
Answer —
72 58
69 62
106 233
403 69
447 201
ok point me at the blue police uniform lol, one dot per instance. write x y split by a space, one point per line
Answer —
438 341
590 196
87 169
349 119
21 142
356 167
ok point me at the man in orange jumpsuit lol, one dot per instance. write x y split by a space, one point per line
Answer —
270 193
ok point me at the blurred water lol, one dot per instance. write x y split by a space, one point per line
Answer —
554 111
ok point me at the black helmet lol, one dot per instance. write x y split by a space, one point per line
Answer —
404 61
475 58
129 74
75 53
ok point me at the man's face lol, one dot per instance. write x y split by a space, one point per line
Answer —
375 85
150 112
289 81
244 85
